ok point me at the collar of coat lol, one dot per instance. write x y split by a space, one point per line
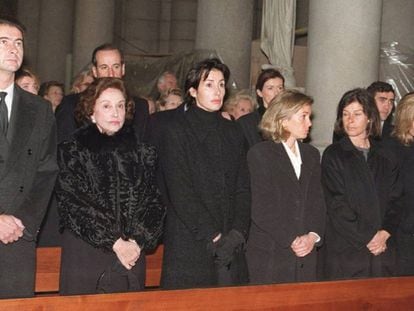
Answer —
90 137
346 144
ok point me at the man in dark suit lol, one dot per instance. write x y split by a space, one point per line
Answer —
107 61
27 167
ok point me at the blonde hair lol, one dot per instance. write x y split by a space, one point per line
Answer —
79 80
281 108
404 118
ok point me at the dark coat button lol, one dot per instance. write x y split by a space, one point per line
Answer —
21 188
29 151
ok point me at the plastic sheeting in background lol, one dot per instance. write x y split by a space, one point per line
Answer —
397 68
143 71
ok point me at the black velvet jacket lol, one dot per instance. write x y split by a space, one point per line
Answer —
101 175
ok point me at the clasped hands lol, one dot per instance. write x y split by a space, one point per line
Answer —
378 243
127 251
223 247
11 229
303 245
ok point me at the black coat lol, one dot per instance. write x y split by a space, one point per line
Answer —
387 128
361 198
27 174
283 208
405 237
249 124
158 126
105 190
204 163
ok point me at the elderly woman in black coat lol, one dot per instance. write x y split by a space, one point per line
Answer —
288 207
109 206
204 163
360 180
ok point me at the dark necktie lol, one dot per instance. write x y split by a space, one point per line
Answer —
4 118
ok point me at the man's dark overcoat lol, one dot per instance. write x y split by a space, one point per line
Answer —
27 175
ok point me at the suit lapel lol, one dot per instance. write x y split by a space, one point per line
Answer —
20 126
306 170
284 163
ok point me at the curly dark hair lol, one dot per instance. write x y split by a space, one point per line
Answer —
84 109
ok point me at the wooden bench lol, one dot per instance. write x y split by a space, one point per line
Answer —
370 294
48 269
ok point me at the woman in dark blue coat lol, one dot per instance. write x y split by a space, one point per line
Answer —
360 180
288 207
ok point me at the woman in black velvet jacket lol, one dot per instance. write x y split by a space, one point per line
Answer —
109 206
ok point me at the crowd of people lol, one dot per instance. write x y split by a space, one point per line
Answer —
229 187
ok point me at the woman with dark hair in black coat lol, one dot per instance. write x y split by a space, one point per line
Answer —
360 180
110 209
206 176
270 83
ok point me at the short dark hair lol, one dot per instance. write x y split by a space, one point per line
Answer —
11 21
200 71
379 86
364 98
84 109
106 47
263 77
45 86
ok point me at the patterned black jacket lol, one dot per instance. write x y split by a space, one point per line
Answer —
106 189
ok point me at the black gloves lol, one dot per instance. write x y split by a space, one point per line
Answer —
224 248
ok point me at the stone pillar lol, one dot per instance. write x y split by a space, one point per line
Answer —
398 22
226 26
183 25
343 53
141 26
94 24
28 14
54 39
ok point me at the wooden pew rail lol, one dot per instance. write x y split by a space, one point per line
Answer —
372 294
